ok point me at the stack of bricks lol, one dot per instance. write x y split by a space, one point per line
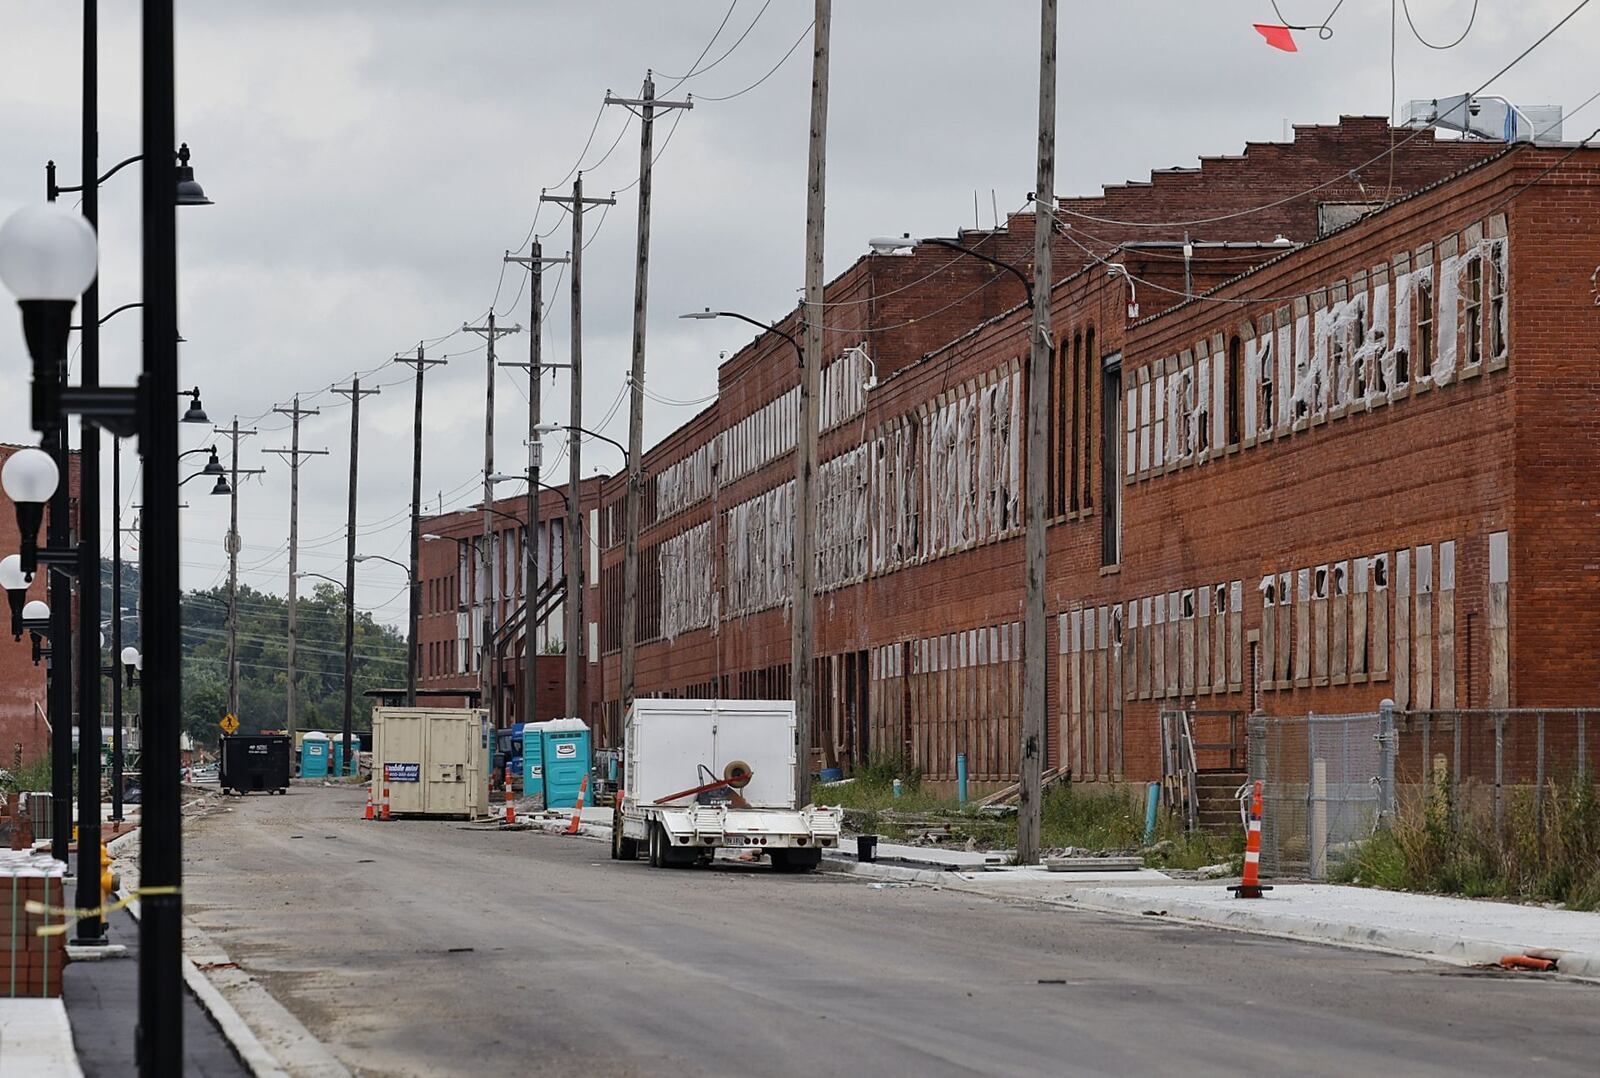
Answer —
31 965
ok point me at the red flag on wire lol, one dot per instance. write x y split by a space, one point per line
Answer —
1278 37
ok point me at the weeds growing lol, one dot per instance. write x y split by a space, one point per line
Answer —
1444 842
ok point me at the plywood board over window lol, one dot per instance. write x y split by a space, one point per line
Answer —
1499 620
1360 579
1158 632
1285 672
1202 640
1220 616
1302 628
1402 628
1422 629
1319 625
1339 640
1380 566
1147 645
1268 590
1447 626
1174 658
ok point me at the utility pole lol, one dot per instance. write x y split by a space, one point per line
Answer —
536 262
231 544
1033 628
355 393
646 104
420 364
293 455
573 606
486 559
805 456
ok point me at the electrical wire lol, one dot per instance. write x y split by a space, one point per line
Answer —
1472 18
724 56
677 115
769 74
1324 31
720 26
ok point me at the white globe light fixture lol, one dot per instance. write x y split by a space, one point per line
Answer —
15 582
130 656
30 478
47 252
47 258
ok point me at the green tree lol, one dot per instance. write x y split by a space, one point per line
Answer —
380 653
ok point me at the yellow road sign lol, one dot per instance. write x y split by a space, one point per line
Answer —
229 724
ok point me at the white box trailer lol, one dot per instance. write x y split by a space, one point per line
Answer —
434 761
699 775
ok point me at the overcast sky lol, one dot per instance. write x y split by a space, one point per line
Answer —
371 162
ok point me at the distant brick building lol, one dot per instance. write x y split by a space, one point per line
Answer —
24 735
1358 464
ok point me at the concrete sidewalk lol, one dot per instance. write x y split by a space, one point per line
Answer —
36 1040
1461 931
1458 930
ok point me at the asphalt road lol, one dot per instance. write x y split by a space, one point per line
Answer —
426 948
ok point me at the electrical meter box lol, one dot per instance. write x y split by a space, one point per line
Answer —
434 761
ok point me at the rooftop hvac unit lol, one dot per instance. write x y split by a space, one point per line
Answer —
1487 118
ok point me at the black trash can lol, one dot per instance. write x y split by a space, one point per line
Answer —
866 848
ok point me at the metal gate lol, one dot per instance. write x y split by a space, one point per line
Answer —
1327 782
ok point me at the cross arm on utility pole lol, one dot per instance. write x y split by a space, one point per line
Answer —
419 362
296 412
290 454
568 200
528 260
491 331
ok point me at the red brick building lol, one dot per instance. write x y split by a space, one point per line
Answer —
456 597
1358 463
24 735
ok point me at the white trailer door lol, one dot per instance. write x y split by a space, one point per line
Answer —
761 735
666 747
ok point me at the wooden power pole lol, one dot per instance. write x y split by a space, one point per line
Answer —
1034 685
293 455
805 457
486 560
572 605
355 393
536 262
420 363
647 105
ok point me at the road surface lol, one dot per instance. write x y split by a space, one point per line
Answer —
428 948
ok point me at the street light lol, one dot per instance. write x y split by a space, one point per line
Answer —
194 413
391 561
36 620
132 662
30 478
320 576
47 259
15 582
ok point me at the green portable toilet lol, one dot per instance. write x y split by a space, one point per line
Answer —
564 753
314 755
533 762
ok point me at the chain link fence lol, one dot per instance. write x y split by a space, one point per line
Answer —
1491 760
1327 783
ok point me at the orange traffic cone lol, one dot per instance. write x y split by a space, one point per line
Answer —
511 808
577 808
386 799
1250 886
369 815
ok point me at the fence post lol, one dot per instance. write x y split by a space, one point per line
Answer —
1386 756
1499 775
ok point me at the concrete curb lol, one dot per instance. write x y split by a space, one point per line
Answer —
1262 920
311 1057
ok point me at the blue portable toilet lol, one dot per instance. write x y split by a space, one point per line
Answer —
517 749
533 762
314 755
337 755
565 751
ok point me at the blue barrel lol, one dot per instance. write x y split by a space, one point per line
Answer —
831 774
314 755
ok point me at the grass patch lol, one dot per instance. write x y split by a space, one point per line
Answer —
1436 843
33 775
1110 821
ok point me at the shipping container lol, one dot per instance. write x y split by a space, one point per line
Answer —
434 761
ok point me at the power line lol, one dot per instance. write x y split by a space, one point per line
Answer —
769 74
1406 7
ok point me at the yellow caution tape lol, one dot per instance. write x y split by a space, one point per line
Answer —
72 913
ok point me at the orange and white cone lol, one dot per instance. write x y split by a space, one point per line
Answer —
1250 886
511 808
369 814
577 807
386 799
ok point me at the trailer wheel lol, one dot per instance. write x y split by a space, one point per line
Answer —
622 847
655 845
795 860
